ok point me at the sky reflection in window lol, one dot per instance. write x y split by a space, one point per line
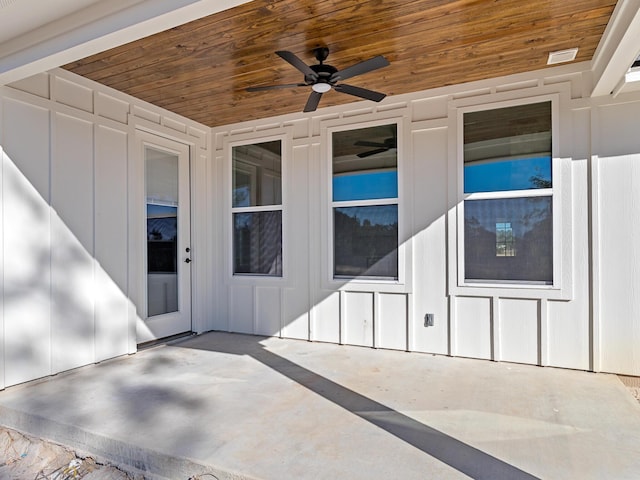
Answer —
505 175
365 185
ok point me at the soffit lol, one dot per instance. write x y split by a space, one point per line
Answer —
201 69
18 17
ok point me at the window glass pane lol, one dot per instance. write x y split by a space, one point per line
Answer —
508 148
502 175
508 240
161 184
365 185
161 176
365 163
257 174
162 238
257 243
366 241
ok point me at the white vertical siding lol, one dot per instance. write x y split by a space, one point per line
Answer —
568 325
296 238
72 279
618 186
358 319
68 176
326 317
268 311
296 314
26 242
111 309
242 309
473 327
2 342
64 228
519 330
568 337
429 240
391 321
201 271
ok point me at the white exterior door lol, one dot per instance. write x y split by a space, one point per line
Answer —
167 252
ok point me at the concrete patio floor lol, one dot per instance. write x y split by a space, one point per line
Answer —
239 406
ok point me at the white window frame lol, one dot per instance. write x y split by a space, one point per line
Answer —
368 284
560 193
253 278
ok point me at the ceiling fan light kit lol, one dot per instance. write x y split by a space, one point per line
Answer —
323 77
321 87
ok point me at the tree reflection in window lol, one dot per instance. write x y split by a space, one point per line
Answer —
531 230
162 238
366 241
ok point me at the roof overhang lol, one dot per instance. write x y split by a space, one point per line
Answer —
619 47
59 36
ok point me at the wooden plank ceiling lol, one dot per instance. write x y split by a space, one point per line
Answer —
201 69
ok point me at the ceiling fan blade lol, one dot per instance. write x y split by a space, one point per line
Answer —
366 143
360 68
312 102
372 152
275 87
359 92
293 59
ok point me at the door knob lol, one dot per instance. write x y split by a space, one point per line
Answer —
188 260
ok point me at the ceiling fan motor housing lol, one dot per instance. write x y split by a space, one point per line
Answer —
325 73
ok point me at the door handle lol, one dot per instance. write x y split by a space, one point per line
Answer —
187 260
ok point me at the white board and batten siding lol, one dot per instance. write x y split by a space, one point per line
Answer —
616 168
589 324
67 244
64 230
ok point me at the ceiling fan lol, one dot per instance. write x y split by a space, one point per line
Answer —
378 147
323 77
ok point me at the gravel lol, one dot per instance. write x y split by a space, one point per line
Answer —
633 384
27 458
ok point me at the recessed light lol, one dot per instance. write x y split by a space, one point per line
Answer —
562 56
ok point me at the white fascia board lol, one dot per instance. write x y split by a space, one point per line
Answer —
97 28
618 48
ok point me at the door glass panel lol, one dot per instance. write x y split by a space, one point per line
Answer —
162 231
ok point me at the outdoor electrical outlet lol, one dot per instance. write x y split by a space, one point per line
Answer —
428 320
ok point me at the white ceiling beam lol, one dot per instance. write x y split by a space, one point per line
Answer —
97 28
618 48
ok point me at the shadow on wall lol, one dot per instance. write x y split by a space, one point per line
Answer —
56 294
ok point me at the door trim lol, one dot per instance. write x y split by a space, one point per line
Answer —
137 225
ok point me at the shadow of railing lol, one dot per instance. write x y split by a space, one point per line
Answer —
463 457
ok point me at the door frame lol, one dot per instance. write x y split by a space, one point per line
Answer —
137 225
